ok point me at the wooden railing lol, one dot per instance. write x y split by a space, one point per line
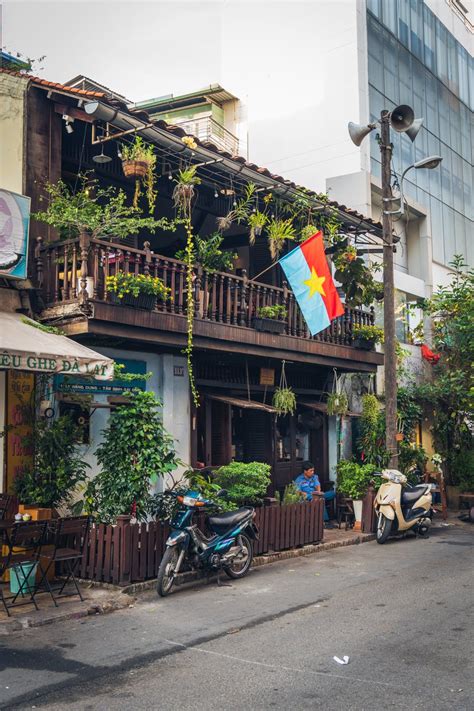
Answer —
131 552
76 270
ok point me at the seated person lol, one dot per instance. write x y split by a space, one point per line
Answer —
308 484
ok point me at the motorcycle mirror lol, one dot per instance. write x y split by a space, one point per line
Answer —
221 494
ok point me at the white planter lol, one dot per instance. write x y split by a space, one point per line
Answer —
357 504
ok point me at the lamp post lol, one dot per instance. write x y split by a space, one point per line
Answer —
401 119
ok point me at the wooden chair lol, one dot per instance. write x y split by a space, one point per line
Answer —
6 501
24 548
345 512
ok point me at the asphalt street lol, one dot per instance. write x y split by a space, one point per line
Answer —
402 612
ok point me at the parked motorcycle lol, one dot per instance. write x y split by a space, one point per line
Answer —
228 548
401 507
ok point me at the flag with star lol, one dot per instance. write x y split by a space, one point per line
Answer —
310 279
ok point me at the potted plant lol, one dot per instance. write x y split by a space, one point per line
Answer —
208 253
271 318
284 400
365 337
137 290
337 403
245 483
278 232
139 161
353 481
256 222
183 192
57 469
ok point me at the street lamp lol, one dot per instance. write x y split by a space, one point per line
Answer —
401 119
430 162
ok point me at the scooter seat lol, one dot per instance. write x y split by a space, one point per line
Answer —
410 494
225 521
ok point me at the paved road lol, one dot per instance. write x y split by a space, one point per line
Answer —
400 611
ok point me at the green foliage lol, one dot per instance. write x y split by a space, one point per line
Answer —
135 284
101 212
291 495
240 212
57 468
410 457
278 232
370 409
462 467
353 479
284 400
277 312
356 278
450 394
42 326
183 192
120 374
374 334
209 254
409 410
139 150
256 222
307 231
371 440
337 403
245 483
135 451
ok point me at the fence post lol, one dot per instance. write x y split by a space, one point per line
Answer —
368 513
125 553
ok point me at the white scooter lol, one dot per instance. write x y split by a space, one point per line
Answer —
401 507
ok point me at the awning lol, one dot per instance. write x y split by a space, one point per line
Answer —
322 407
240 402
24 346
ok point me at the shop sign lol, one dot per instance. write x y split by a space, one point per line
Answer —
16 360
19 425
14 228
267 376
68 384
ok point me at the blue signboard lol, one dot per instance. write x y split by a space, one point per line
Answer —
89 386
14 229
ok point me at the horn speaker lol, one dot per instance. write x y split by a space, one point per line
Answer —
412 132
358 132
402 118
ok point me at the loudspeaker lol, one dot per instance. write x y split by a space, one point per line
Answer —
358 132
402 118
414 128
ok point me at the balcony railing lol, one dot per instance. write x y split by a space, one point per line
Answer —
208 129
75 271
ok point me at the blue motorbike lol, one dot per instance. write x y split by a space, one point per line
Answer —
229 547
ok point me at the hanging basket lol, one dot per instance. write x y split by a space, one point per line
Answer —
135 168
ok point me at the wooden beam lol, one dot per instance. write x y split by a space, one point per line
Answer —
73 112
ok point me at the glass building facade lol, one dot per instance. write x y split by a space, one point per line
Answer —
414 60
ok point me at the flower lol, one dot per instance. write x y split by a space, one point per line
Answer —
189 142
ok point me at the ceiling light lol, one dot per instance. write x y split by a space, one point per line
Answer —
101 158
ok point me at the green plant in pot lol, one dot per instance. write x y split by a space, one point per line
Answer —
366 337
244 483
284 401
271 318
337 403
184 192
256 222
57 470
137 290
139 162
353 481
208 253
278 232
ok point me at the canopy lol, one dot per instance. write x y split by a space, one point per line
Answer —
25 346
322 407
240 402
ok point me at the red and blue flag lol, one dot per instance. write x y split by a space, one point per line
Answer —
310 279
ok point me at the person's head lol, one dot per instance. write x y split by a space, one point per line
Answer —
308 469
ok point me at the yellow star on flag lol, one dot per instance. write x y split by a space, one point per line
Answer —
315 284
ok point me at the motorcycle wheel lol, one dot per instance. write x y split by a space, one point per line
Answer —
166 575
240 567
384 526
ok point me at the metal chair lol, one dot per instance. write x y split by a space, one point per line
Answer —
345 512
69 537
5 503
24 548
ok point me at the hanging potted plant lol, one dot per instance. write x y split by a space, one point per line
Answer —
284 399
279 231
271 319
365 337
139 161
256 222
184 192
136 290
337 402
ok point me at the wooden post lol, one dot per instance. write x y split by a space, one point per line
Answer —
84 244
125 552
39 262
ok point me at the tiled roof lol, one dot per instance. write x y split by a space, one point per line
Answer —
178 131
55 85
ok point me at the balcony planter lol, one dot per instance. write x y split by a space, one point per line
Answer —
142 301
135 168
270 325
363 344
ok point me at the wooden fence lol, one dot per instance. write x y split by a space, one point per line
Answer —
369 519
132 552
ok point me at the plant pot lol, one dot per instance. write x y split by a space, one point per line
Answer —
142 301
23 577
135 168
357 506
399 436
363 344
270 325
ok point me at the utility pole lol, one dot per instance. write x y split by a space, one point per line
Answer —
390 359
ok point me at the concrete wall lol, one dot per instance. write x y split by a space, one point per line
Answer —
171 389
12 101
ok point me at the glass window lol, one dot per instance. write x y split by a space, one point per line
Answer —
448 234
390 15
457 180
471 82
375 46
442 52
431 94
459 234
443 112
446 182
453 74
283 439
465 120
416 23
390 69
436 215
404 22
463 71
429 38
406 77
434 176
468 196
375 6
455 123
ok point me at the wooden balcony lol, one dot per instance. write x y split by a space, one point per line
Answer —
72 279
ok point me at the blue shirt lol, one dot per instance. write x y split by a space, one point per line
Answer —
307 486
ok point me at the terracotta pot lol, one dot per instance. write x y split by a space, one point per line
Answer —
135 168
399 436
